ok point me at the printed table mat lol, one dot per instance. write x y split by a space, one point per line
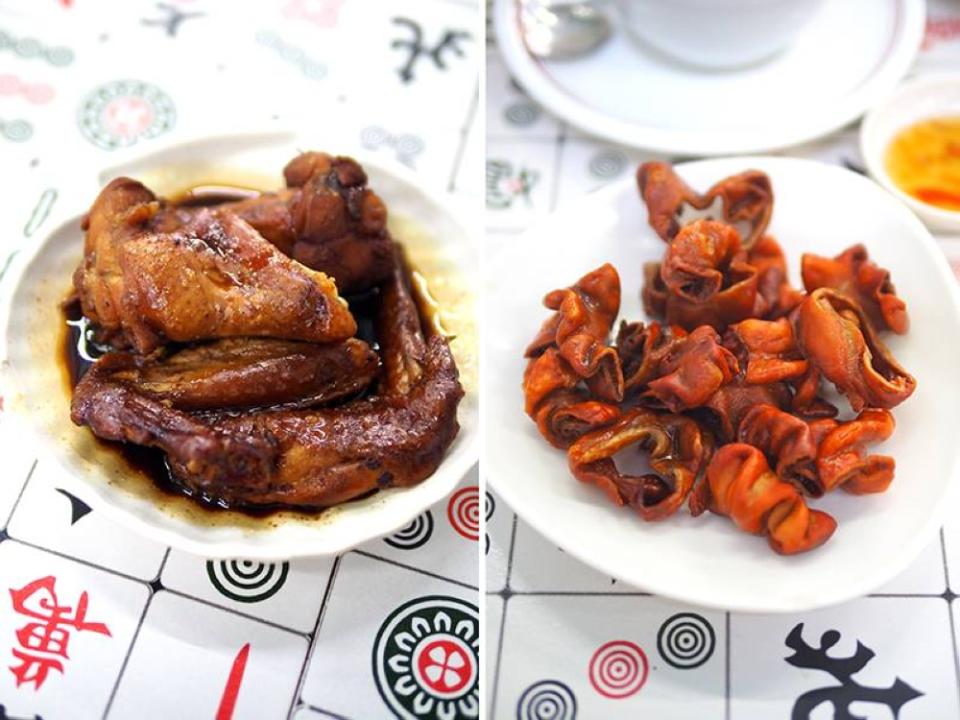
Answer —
98 622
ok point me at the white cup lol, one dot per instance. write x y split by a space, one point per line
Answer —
717 34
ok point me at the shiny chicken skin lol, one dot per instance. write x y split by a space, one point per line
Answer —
214 277
303 457
327 218
245 373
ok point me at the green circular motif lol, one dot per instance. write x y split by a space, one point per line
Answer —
121 113
426 659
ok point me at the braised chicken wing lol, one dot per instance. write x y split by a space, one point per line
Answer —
308 458
215 277
327 218
245 372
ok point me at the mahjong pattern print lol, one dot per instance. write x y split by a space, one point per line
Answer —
618 669
463 512
426 659
686 640
45 639
121 113
547 700
416 534
247 581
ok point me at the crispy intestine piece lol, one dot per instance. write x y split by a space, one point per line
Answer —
654 292
641 347
779 296
678 451
842 459
744 488
692 370
706 278
806 397
766 350
570 351
787 441
558 405
834 334
732 401
567 414
746 198
665 194
584 316
853 273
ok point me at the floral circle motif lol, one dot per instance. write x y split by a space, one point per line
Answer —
618 669
426 659
463 512
123 112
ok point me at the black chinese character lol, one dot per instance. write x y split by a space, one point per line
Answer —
843 669
173 20
417 49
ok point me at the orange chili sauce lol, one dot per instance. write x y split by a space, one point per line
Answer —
923 160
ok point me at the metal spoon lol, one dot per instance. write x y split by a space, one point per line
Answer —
562 31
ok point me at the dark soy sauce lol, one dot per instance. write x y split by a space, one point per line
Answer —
209 195
79 349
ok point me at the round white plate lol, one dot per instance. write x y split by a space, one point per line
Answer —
707 560
921 99
434 232
850 55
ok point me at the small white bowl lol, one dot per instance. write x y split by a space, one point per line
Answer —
935 96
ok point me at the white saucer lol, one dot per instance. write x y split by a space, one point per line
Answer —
434 229
707 561
852 53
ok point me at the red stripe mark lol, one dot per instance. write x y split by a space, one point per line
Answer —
232 689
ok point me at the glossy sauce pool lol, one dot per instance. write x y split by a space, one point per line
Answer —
78 350
923 160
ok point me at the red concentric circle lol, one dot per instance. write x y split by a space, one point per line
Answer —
618 669
463 511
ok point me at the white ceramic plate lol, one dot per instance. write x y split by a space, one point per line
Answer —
928 97
851 54
706 560
433 229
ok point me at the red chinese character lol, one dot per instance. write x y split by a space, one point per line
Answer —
43 642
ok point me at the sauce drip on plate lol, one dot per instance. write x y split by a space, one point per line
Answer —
923 160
